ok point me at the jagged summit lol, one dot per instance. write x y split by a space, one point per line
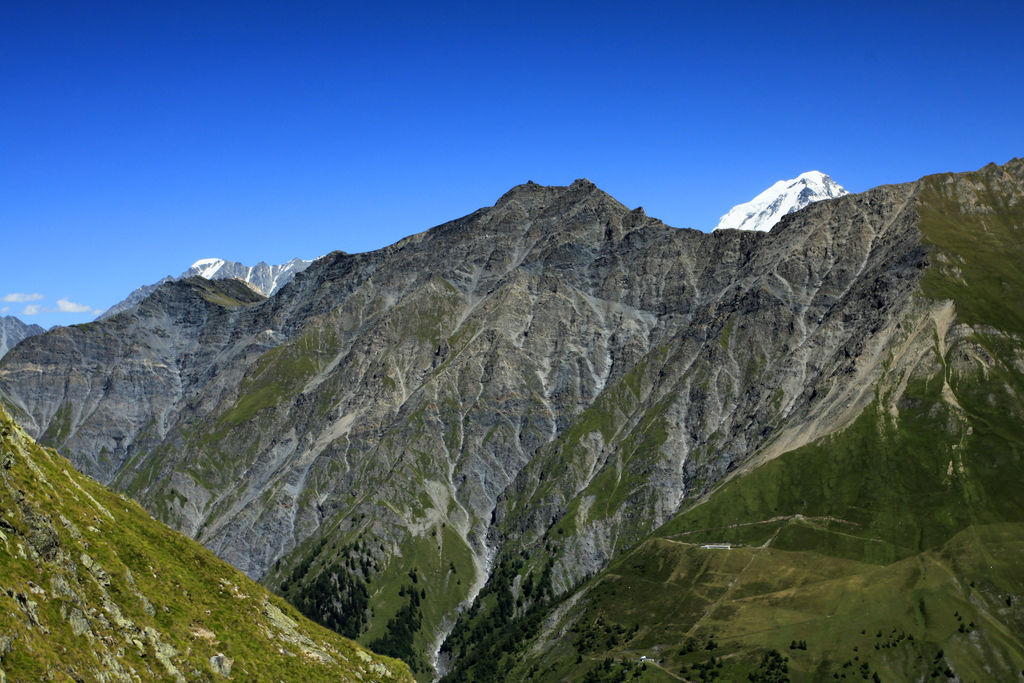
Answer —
533 196
267 279
786 196
536 189
207 267
13 330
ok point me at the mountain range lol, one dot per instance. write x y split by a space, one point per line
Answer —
266 279
761 213
556 436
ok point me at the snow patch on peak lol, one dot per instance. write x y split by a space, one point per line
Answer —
206 267
814 176
783 197
265 279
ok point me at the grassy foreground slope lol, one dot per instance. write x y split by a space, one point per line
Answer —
92 588
891 550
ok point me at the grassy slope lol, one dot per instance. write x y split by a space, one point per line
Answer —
893 548
92 586
861 532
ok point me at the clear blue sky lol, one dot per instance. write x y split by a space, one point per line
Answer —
138 137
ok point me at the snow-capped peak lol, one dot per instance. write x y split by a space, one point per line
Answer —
206 267
786 196
264 278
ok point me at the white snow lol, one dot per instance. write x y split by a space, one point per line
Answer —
786 196
207 267
266 278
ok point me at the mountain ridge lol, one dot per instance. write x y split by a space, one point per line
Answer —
887 549
560 217
550 378
13 330
267 279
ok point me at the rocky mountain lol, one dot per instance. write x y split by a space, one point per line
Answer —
265 278
13 330
784 197
457 448
92 588
885 546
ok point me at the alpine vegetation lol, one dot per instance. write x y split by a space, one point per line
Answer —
92 588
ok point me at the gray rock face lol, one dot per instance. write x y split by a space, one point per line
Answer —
221 665
762 342
13 330
556 369
122 378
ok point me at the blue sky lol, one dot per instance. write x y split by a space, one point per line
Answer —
139 137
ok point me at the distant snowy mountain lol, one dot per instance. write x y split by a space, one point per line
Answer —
786 196
13 330
266 278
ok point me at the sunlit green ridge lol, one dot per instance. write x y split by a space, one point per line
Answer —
94 589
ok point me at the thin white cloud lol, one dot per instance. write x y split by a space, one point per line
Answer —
66 306
5 309
18 297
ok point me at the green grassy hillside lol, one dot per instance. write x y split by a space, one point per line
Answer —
92 588
896 544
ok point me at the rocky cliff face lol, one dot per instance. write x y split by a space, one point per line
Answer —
13 330
885 547
123 377
556 376
778 344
